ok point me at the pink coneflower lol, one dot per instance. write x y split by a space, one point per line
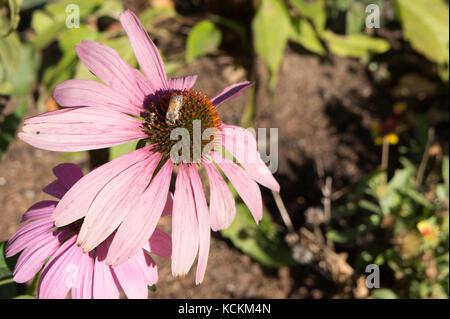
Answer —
129 193
86 275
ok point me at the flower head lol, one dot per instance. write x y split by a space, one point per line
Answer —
68 268
128 195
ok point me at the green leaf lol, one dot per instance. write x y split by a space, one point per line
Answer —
14 13
51 21
204 38
355 20
8 127
306 36
271 30
122 149
384 293
6 271
152 15
369 206
355 45
314 11
425 24
259 241
341 237
25 297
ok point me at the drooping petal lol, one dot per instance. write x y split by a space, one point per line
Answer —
222 205
32 258
231 92
145 51
39 210
61 272
242 144
56 189
22 238
132 280
185 233
160 244
147 266
204 225
141 221
75 204
79 129
247 188
68 174
109 67
92 93
83 286
182 83
115 201
106 285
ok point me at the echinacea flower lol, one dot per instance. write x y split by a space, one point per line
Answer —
129 193
85 275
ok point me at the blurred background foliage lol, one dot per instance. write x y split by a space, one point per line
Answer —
403 204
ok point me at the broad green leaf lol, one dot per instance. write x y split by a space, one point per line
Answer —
9 60
355 45
51 21
25 297
384 293
307 37
355 20
271 30
314 11
204 38
259 241
14 14
5 269
8 127
425 23
72 37
122 149
110 8
151 15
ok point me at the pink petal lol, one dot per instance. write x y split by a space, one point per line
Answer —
231 92
83 286
244 185
185 232
33 257
56 189
68 174
79 129
106 284
115 201
92 93
75 204
183 83
39 210
109 67
145 50
132 280
160 244
242 144
204 225
147 267
26 234
221 201
61 272
141 221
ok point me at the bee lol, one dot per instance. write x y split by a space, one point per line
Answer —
173 112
